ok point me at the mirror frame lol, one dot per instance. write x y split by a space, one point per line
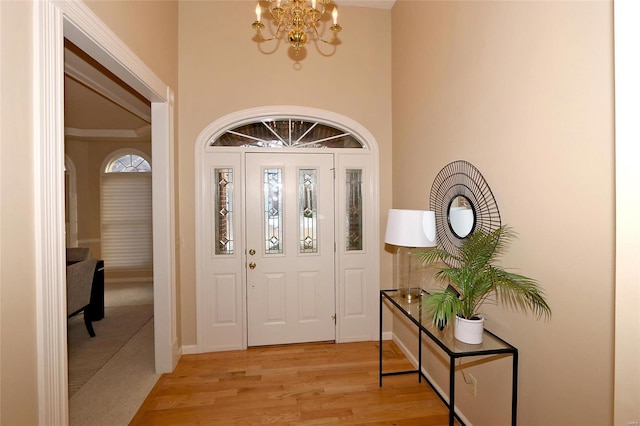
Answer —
461 178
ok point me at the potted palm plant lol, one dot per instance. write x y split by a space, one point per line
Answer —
477 279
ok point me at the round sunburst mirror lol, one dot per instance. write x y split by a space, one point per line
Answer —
463 204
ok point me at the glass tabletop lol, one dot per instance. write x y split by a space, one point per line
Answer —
491 344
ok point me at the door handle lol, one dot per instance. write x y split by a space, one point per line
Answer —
252 265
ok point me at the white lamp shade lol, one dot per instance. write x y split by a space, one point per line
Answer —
411 228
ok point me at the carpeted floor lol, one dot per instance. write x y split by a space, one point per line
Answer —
114 394
88 355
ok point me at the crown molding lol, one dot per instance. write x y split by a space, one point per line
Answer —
141 132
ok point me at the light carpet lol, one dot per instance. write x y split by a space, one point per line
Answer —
88 355
114 394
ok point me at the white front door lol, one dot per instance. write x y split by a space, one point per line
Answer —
290 248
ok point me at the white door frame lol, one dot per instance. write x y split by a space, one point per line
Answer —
53 21
354 318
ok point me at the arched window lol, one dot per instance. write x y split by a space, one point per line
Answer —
128 163
287 133
126 212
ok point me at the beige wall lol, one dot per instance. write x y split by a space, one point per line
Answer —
222 71
157 46
18 367
148 28
524 91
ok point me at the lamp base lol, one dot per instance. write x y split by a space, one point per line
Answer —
412 294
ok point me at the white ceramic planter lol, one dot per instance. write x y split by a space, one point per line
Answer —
469 331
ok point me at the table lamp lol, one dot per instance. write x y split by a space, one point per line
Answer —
408 230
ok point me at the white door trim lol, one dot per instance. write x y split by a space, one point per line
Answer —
202 151
53 20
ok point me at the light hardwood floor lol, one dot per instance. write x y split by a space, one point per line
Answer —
305 384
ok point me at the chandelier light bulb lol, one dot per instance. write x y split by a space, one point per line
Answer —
335 16
313 4
258 12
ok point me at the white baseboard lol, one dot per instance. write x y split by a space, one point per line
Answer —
193 349
89 241
128 280
189 349
411 357
178 351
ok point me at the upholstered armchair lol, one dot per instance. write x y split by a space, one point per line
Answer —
80 270
76 254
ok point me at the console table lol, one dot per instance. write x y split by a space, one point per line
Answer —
491 345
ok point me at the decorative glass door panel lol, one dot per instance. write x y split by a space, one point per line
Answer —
307 212
273 213
354 213
223 211
290 248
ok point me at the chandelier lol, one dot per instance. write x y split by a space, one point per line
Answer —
296 18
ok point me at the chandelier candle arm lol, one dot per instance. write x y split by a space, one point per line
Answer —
257 25
297 18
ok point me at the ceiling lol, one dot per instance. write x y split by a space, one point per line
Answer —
100 106
377 4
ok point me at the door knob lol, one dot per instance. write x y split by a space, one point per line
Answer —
252 252
252 265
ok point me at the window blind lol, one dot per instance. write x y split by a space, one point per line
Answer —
127 240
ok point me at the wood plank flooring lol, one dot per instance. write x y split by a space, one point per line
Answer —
304 384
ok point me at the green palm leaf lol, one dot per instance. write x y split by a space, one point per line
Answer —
479 279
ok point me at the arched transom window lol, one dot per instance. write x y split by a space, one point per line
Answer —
128 163
286 133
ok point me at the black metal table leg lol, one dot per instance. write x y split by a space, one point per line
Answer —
514 391
380 348
420 347
452 390
419 356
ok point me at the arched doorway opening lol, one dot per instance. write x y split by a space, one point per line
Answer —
238 228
